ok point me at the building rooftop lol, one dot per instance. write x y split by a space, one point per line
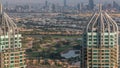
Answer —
7 26
101 22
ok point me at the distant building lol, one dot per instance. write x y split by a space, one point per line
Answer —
116 5
11 52
65 3
91 5
100 42
53 8
46 3
79 6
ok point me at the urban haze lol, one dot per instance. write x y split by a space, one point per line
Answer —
71 2
60 34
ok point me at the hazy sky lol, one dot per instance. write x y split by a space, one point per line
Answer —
56 1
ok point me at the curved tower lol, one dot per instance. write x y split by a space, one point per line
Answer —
11 52
100 42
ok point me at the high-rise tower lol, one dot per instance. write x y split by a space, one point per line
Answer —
116 5
46 3
11 52
100 42
91 5
65 3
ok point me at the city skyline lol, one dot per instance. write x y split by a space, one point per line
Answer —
59 33
69 2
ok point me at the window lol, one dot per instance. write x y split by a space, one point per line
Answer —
90 36
90 43
12 61
106 42
20 56
90 39
20 60
12 54
95 57
106 39
111 39
6 46
21 53
12 58
94 60
106 50
95 36
106 60
111 36
111 43
94 53
95 42
106 53
95 50
106 36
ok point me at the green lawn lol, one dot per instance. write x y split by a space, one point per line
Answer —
63 48
66 37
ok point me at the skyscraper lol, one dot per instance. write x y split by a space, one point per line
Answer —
78 6
65 3
91 5
100 42
53 8
46 3
11 52
116 5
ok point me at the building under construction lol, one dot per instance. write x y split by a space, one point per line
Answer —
11 52
100 42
